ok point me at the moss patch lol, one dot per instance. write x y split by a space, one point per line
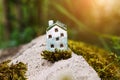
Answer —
57 55
106 64
12 72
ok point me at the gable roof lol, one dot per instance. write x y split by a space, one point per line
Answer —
58 23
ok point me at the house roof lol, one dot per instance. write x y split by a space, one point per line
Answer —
58 23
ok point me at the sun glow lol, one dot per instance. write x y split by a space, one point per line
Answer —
107 5
101 2
104 2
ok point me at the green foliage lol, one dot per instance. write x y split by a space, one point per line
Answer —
12 72
116 45
18 38
28 34
22 23
57 55
45 8
105 63
111 43
104 43
1 32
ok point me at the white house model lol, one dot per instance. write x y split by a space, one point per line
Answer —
56 36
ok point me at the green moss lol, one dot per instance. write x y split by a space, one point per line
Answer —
57 55
12 72
106 64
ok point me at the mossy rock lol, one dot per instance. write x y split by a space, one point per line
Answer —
12 72
106 64
56 55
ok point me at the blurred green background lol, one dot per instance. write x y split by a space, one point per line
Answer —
95 22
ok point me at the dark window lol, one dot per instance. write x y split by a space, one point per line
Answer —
50 36
57 38
61 34
61 45
56 29
52 46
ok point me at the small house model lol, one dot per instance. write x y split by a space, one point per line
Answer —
56 36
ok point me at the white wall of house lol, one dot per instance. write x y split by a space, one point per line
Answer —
54 35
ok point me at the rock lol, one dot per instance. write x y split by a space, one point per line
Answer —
11 53
76 68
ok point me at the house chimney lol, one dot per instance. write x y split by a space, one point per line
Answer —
50 22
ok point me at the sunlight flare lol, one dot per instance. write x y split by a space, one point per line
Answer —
105 3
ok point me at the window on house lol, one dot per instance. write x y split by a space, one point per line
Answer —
61 34
56 29
57 38
52 46
61 45
49 36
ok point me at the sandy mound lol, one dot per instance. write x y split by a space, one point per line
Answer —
39 69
